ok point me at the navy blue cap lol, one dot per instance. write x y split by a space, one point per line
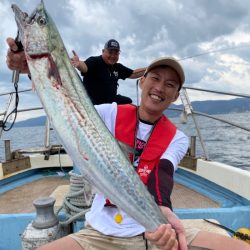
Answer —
112 44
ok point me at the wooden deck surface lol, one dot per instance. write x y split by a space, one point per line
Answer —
20 200
183 197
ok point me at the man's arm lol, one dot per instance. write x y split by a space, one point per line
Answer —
80 65
137 73
160 183
169 236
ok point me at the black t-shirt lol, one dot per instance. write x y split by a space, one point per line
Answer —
101 80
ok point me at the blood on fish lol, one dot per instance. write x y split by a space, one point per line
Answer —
52 71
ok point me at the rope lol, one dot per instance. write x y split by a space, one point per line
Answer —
14 111
78 200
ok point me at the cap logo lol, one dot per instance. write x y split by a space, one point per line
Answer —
114 44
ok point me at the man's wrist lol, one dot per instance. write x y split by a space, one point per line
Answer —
81 66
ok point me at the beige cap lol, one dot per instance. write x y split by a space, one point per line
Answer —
168 61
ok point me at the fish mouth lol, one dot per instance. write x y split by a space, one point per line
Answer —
33 41
22 19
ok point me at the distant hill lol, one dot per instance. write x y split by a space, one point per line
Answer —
38 121
236 105
209 107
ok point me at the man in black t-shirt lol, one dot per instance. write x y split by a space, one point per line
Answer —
101 74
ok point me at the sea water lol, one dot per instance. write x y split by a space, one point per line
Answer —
223 142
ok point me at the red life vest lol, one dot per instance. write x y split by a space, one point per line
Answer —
160 138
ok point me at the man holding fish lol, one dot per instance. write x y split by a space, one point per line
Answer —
123 214
160 87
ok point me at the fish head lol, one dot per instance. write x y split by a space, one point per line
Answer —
35 31
41 42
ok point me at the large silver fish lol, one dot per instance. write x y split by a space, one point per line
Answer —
79 127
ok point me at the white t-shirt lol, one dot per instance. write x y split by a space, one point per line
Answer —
102 218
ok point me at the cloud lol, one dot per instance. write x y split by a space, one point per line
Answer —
210 38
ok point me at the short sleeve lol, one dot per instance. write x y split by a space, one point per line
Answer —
176 149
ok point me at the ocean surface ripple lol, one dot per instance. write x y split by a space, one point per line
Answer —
223 142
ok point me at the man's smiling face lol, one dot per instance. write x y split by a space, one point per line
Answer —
160 87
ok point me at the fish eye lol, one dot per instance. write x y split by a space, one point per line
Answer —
41 20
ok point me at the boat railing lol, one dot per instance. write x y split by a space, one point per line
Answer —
24 110
5 120
186 111
10 94
13 92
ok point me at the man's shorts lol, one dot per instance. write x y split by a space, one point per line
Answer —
90 239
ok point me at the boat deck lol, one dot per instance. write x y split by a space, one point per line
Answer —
183 197
20 199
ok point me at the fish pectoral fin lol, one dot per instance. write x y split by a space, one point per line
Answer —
126 149
33 87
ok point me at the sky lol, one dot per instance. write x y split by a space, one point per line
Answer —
210 38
